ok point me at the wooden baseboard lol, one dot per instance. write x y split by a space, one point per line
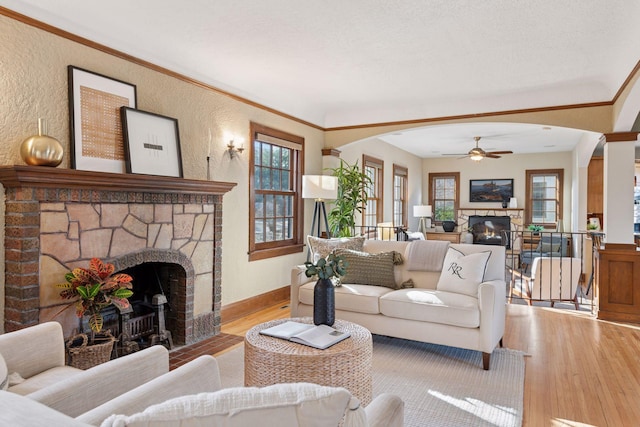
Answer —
239 309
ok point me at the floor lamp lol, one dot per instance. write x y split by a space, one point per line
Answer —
319 188
423 212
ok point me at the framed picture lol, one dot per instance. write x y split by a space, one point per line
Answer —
490 190
94 120
152 143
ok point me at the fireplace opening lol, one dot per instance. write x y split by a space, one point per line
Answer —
488 230
155 304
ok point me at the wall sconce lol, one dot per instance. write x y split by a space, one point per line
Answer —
232 149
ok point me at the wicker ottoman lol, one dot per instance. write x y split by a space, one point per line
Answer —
347 364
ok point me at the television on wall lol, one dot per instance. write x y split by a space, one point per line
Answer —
490 190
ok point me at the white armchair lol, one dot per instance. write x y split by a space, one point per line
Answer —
552 279
34 360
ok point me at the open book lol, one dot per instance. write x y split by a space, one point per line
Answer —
320 336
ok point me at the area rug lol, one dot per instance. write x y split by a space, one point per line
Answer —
440 386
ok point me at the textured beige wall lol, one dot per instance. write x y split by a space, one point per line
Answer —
33 83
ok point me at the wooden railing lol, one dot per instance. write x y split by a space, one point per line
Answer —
550 266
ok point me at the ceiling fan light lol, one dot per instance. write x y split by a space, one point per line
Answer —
476 157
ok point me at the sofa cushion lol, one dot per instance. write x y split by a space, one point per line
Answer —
43 379
349 297
321 248
463 273
295 404
370 269
427 305
16 410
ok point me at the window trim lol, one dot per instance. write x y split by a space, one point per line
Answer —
258 251
529 174
378 164
402 172
456 202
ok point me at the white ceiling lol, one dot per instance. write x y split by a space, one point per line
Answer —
340 63
437 141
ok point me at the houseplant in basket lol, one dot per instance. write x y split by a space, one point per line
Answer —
92 289
324 308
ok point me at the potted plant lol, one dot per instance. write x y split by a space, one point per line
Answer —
352 183
324 310
592 226
92 289
535 229
446 214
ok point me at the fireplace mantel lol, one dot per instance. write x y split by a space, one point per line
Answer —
47 177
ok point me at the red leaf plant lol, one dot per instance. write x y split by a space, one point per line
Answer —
95 288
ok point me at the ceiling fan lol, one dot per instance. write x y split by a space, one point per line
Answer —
476 154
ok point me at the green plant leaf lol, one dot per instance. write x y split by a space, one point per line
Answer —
93 290
122 293
83 291
96 322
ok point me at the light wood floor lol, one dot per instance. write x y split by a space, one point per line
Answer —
580 371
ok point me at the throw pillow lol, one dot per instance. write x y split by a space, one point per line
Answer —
321 248
364 268
462 273
546 247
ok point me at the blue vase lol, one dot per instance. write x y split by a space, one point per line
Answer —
324 303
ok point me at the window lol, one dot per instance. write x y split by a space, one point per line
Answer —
444 195
400 178
373 168
275 205
544 196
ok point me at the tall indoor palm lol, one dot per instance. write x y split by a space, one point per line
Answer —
352 197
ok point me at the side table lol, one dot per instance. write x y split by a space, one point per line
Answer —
347 364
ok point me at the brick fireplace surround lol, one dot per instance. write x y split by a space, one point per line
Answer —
57 219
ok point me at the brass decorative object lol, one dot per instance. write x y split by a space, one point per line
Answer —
40 149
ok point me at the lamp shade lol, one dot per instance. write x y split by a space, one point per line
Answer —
323 187
421 211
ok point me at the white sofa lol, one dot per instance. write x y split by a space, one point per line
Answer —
139 390
191 395
472 320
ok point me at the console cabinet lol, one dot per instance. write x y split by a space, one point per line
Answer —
451 236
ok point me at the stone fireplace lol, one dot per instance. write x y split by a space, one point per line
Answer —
58 219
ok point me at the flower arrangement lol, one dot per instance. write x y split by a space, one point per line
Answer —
327 268
95 288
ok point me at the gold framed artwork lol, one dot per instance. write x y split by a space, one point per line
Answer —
97 142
